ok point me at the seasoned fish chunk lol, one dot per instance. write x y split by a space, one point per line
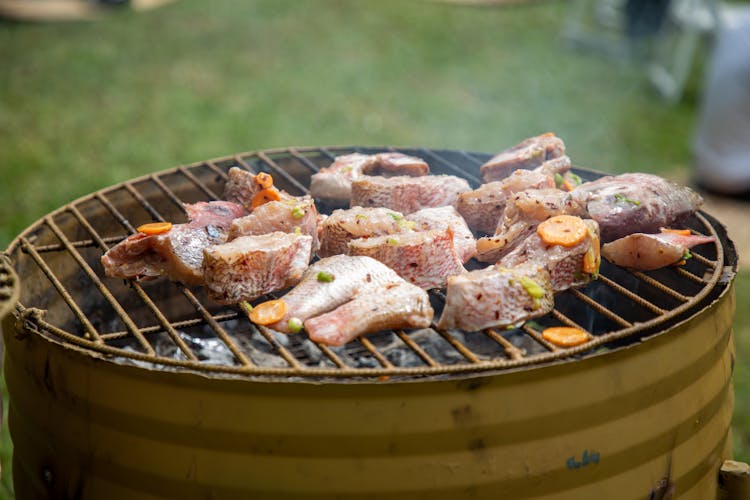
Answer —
332 184
526 155
425 258
496 297
407 194
344 225
288 216
442 218
647 252
567 266
483 207
251 266
523 213
178 253
636 203
331 282
394 305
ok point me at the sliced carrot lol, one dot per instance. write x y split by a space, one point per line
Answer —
264 196
264 180
565 230
153 228
268 312
592 258
565 336
568 185
682 232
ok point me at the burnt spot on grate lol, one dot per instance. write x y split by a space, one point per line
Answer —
165 325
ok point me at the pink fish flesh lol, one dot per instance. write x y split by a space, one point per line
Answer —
442 218
526 155
647 252
407 194
342 226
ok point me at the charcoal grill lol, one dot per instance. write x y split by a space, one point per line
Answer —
76 335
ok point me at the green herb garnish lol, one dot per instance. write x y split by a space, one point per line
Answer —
325 277
246 306
532 287
298 211
558 180
294 324
392 241
623 198
395 216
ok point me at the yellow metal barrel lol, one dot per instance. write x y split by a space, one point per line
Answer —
649 419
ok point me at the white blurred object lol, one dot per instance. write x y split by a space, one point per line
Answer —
722 140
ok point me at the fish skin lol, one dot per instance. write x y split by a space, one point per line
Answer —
423 258
494 297
241 187
407 194
350 274
178 253
527 155
390 306
647 252
636 203
332 184
442 218
345 225
564 264
251 266
279 216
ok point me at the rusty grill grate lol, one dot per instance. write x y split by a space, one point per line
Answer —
166 325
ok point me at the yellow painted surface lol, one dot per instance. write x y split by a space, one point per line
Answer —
608 426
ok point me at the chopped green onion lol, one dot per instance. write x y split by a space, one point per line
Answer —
294 324
575 178
687 255
298 212
558 180
407 224
395 216
325 277
532 287
392 241
623 198
360 216
297 230
246 306
348 168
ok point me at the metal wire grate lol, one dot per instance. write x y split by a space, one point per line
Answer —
167 325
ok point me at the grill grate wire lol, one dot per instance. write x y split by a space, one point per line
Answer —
291 167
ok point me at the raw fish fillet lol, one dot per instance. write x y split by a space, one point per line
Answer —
251 266
344 225
332 184
346 277
564 264
178 253
394 305
285 216
647 252
636 203
526 155
424 258
496 297
442 218
407 194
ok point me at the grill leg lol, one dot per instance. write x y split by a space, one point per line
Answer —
734 480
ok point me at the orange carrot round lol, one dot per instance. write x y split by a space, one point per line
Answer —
153 228
565 336
565 230
268 312
681 232
264 196
264 180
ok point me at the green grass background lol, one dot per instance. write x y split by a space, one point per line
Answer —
86 105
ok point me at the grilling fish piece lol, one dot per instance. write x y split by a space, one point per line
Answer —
568 267
496 297
344 225
636 203
523 213
527 155
331 282
425 258
394 305
483 208
178 253
251 266
442 218
407 194
332 184
288 216
647 252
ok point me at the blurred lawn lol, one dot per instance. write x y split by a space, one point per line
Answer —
86 105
